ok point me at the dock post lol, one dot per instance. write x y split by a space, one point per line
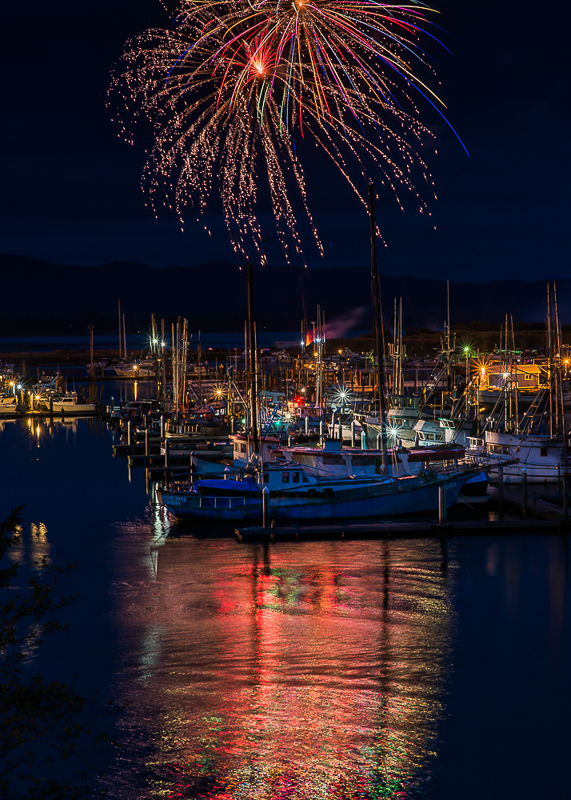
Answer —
146 441
565 496
524 491
265 504
167 448
442 506
353 434
111 406
321 432
306 425
129 433
363 440
51 405
162 426
378 441
500 487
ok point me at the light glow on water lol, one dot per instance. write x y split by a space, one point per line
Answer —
286 671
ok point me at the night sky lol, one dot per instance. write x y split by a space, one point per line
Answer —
71 188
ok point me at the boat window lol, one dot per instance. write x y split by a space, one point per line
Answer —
295 476
285 477
543 452
242 448
528 377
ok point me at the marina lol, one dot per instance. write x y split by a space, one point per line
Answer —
323 524
285 402
441 618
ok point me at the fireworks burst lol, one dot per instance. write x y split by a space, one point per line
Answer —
235 86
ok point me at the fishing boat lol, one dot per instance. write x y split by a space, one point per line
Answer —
332 460
294 494
543 458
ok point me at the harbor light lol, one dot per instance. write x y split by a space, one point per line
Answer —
393 432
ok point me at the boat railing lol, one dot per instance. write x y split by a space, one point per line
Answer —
489 461
221 502
474 461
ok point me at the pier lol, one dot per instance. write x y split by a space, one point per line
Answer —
386 530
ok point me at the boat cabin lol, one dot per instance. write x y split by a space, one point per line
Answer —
526 377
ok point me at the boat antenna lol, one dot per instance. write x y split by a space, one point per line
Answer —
377 327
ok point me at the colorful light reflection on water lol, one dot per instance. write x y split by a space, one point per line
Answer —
286 671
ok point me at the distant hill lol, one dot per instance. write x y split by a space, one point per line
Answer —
39 298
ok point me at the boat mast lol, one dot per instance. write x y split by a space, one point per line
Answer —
253 387
379 352
549 357
119 312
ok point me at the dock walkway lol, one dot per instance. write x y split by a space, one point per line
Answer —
403 529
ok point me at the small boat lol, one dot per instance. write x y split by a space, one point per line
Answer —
67 404
140 369
9 406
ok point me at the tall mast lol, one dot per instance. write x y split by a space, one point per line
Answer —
379 353
558 373
253 387
120 326
549 353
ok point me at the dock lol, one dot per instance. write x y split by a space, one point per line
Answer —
389 530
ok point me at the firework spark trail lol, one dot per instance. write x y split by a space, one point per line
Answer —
231 85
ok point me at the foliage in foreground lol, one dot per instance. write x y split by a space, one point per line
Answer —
42 723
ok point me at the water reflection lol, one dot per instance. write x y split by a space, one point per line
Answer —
277 671
39 545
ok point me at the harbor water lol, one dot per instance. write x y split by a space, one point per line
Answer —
430 668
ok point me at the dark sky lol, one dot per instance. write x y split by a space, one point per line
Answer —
70 187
